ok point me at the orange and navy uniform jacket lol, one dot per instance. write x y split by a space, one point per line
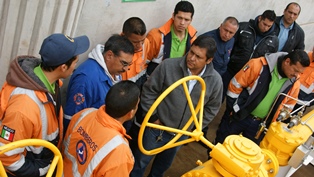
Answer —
139 60
307 78
96 144
160 42
250 85
28 111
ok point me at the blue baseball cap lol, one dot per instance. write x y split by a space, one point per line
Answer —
58 48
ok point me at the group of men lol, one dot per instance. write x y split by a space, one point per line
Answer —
123 78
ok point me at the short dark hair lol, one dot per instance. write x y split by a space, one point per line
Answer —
184 6
117 43
293 3
269 14
298 56
232 20
208 43
52 68
122 98
134 25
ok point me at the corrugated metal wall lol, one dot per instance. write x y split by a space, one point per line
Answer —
25 23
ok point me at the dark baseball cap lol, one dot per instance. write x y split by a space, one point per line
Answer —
59 48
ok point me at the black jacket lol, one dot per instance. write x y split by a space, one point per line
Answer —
295 38
250 43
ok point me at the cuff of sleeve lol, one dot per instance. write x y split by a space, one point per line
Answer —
153 118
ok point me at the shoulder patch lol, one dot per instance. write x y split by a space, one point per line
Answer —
246 67
79 99
7 133
81 152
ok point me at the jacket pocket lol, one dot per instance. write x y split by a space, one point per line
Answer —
269 45
244 37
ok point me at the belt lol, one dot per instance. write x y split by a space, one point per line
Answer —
256 118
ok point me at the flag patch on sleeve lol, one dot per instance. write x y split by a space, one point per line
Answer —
246 67
7 133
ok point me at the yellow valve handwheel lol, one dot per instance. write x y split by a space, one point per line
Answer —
57 160
196 135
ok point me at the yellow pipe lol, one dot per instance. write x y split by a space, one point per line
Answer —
2 170
57 160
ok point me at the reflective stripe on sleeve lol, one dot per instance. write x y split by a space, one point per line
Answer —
232 95
307 90
43 171
17 165
235 83
14 151
67 117
43 115
134 79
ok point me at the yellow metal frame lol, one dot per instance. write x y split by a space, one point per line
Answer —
196 135
57 160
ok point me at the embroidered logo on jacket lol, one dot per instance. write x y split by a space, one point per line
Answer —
81 152
79 98
7 133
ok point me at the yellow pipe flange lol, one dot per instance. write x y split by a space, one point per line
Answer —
271 163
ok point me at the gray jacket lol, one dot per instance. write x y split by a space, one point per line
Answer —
174 111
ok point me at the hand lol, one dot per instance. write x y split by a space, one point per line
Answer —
157 122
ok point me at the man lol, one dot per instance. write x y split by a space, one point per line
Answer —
290 34
135 30
31 105
254 89
173 111
91 81
252 40
96 142
174 38
224 41
307 83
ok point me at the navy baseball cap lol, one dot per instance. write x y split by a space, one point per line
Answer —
58 48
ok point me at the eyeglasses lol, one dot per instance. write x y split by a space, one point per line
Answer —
125 64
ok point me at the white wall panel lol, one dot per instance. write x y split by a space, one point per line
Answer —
25 23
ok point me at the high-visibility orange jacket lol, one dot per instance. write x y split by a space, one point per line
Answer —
138 68
28 110
250 85
307 78
95 144
160 41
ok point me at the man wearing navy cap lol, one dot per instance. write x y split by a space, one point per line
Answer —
30 105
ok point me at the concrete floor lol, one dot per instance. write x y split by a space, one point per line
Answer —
188 155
